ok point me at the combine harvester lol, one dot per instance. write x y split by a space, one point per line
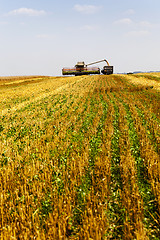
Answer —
82 69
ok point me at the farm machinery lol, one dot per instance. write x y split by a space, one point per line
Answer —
82 69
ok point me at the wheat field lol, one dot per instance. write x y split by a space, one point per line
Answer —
79 157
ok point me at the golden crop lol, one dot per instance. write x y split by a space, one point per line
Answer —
79 157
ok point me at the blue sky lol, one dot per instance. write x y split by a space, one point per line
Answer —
40 37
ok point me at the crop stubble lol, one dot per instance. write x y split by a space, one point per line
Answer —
73 151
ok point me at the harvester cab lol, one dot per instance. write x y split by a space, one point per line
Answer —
80 65
82 69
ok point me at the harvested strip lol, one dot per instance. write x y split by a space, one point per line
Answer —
131 199
144 82
143 182
116 212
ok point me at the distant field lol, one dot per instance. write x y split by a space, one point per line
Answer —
80 157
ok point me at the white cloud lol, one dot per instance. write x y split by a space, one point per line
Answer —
86 9
138 33
89 27
42 36
126 21
45 36
129 12
145 24
27 12
3 23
